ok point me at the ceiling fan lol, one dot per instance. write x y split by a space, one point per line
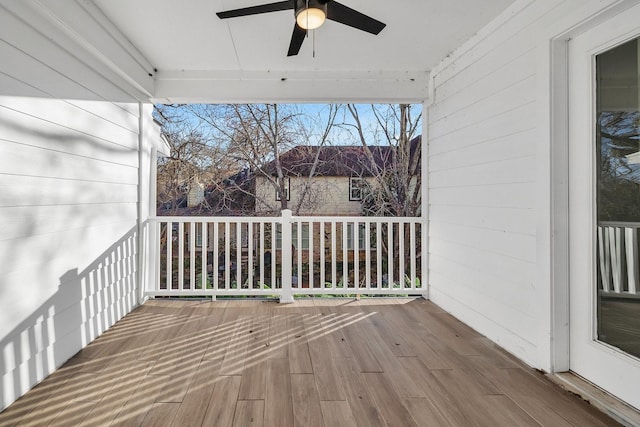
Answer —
311 14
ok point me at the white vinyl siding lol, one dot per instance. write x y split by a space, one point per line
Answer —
41 59
68 229
484 162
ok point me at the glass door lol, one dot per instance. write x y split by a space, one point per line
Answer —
617 146
604 205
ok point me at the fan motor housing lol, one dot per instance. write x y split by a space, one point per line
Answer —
304 4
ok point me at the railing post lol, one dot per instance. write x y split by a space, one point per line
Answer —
152 259
287 254
144 270
424 253
152 227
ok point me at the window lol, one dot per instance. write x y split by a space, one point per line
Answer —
361 237
287 186
617 198
305 235
294 236
356 185
198 235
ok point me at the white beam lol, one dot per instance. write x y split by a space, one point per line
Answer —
288 86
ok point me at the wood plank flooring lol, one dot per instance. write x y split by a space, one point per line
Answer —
324 362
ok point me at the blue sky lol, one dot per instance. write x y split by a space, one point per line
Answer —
315 117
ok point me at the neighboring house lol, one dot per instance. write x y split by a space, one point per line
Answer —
195 195
336 179
319 180
324 180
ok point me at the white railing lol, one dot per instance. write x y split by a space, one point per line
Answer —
285 256
618 265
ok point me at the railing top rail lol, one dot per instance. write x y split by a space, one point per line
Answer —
621 224
222 219
265 219
370 219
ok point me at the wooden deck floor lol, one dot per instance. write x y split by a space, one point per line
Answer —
327 362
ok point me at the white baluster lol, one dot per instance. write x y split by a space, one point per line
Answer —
287 292
631 246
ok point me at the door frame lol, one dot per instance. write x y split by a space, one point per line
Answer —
553 178
605 365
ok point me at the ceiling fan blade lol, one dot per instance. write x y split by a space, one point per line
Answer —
255 10
296 40
347 16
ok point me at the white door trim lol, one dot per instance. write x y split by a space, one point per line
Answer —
553 178
558 166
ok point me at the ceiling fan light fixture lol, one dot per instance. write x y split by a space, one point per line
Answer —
310 18
309 15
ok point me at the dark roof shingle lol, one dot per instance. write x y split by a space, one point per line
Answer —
341 160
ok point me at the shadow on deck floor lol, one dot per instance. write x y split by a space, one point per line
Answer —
325 362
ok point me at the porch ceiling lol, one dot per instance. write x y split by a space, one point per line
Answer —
194 56
192 48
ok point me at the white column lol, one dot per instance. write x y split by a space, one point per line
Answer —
424 208
143 266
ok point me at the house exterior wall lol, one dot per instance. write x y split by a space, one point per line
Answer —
44 54
327 196
490 177
74 189
69 201
195 195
